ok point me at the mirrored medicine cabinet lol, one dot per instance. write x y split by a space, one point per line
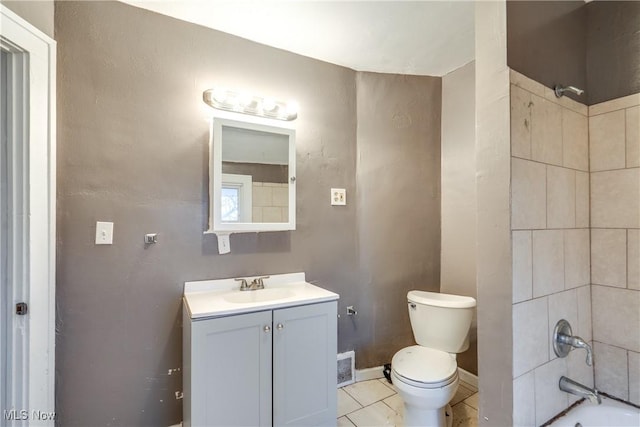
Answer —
252 170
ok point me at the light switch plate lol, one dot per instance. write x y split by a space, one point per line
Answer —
104 233
338 196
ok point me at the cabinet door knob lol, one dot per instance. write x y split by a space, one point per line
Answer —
280 326
267 329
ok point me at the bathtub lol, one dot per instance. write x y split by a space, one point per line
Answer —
610 413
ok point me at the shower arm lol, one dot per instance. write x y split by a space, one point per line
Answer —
560 90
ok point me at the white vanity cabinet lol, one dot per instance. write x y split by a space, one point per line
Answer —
272 367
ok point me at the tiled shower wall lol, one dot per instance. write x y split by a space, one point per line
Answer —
550 236
614 133
270 202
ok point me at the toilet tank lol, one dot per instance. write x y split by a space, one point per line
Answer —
441 321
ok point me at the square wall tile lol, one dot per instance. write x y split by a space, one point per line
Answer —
633 136
607 141
522 266
611 368
524 82
530 332
575 140
582 199
561 197
634 377
633 259
281 196
550 400
528 194
546 131
577 258
614 104
616 316
524 395
520 123
615 199
548 262
609 257
261 195
563 305
583 328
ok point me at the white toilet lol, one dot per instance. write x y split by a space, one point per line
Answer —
426 375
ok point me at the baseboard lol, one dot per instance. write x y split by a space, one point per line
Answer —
468 377
369 373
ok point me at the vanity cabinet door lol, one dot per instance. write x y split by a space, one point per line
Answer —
230 372
304 370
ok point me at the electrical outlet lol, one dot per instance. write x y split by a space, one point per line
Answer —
338 196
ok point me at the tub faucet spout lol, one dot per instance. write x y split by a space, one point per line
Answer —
572 387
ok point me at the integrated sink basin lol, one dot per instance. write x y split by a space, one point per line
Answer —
223 297
259 295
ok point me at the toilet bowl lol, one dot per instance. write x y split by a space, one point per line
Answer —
426 375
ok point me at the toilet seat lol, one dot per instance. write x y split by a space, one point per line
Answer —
424 367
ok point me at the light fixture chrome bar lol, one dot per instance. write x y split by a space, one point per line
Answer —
227 100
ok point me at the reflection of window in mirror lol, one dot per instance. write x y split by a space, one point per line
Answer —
236 198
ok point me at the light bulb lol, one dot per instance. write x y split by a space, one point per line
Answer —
269 104
220 95
292 108
245 99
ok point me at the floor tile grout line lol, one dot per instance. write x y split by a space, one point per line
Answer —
373 403
353 397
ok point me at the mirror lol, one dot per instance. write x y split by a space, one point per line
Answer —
252 185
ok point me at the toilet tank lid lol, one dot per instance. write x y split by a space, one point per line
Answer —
441 300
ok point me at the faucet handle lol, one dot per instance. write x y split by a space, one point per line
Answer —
258 282
243 284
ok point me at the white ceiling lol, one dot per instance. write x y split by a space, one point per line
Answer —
405 37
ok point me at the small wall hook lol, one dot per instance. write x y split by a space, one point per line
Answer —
351 311
150 239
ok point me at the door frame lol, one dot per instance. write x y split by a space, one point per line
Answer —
32 226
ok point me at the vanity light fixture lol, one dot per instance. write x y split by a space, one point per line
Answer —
247 103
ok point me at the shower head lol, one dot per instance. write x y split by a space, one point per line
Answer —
560 90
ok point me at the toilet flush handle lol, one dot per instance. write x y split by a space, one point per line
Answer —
412 305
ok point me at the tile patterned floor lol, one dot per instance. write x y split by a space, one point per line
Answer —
376 403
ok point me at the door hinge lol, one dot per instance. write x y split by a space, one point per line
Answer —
21 308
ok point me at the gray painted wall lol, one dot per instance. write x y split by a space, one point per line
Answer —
459 241
398 198
132 141
613 49
584 45
37 13
546 41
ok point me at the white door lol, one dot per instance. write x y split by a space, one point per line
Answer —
304 365
27 221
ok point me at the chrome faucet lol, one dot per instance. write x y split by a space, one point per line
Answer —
256 283
563 340
572 387
243 284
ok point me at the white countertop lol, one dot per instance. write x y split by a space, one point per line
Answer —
215 298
